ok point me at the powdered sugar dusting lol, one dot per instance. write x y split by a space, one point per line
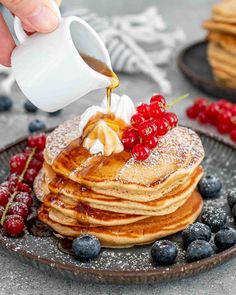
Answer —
181 147
61 137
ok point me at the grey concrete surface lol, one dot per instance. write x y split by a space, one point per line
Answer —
19 278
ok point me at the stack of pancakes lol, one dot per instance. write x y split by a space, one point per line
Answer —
121 201
222 42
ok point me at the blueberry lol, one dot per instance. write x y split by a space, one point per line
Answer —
86 247
196 231
29 107
209 186
215 218
164 252
5 103
234 212
54 114
231 198
225 238
198 250
36 125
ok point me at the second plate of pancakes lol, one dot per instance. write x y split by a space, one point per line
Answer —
131 265
193 63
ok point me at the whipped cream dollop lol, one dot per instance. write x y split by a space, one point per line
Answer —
103 138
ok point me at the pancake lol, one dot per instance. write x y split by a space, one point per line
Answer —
225 12
227 42
178 154
217 53
86 215
139 233
224 78
214 26
71 193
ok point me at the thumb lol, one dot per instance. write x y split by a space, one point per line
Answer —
38 15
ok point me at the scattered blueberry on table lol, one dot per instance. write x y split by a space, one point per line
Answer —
54 114
198 250
164 252
86 247
29 107
210 186
36 125
215 218
5 103
196 231
231 198
225 238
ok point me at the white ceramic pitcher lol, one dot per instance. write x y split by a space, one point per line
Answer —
48 67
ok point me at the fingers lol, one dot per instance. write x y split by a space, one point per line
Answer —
7 43
37 15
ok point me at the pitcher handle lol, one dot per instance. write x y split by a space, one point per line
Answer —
19 31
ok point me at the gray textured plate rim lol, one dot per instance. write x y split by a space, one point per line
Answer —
189 73
111 276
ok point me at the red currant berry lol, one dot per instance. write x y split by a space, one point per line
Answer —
151 143
17 163
23 187
13 178
14 225
200 104
4 196
25 198
136 120
30 176
37 140
233 135
172 119
28 150
39 156
224 104
223 128
159 99
224 118
18 208
155 110
202 118
130 138
147 129
233 122
140 152
192 112
233 110
162 127
35 164
212 112
143 109
1 211
9 186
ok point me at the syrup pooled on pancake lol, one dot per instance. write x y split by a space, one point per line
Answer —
91 183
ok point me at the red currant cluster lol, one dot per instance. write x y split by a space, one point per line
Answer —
221 114
16 197
147 124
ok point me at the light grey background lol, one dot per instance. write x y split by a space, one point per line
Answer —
18 278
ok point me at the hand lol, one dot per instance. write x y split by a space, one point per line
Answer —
36 15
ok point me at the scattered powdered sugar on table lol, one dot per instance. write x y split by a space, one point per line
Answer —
220 160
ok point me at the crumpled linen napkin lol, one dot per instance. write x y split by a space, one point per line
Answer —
127 38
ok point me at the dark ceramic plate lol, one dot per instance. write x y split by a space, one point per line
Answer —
193 63
125 265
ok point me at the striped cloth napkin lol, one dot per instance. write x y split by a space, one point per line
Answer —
128 37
